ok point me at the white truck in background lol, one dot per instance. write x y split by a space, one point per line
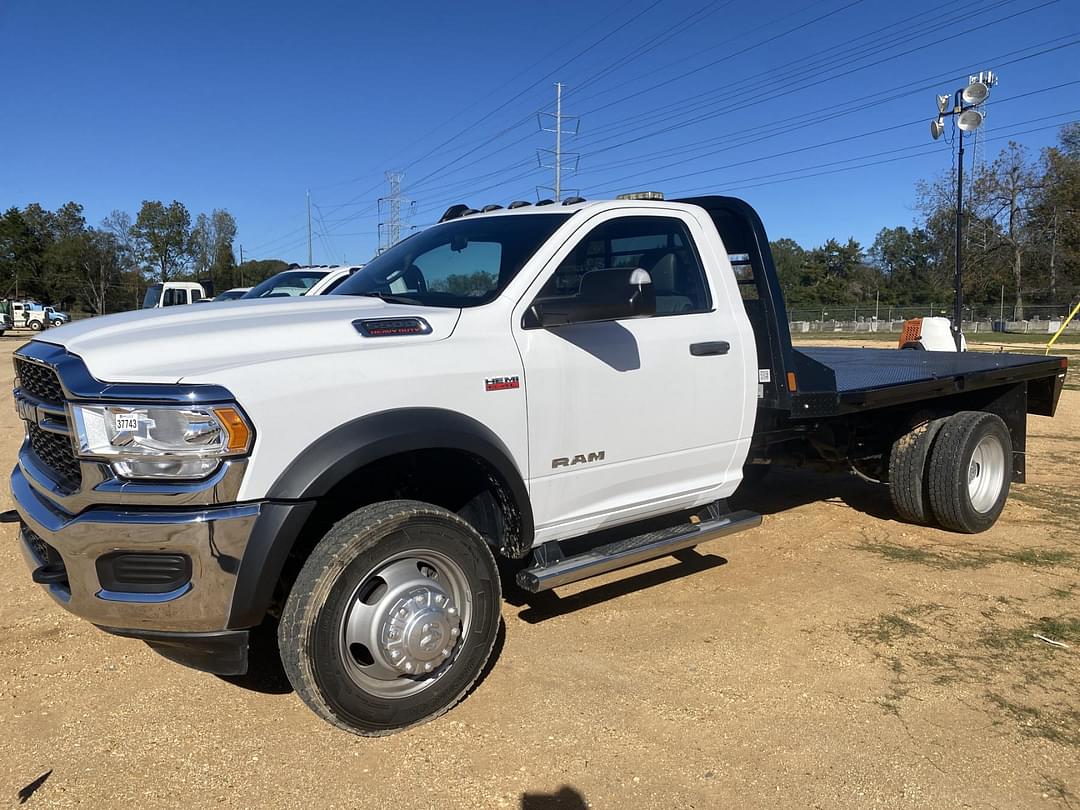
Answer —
173 293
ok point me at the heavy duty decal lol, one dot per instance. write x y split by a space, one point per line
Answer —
502 383
580 458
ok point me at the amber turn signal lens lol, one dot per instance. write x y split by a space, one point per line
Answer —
235 426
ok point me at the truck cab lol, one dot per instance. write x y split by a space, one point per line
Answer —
173 293
522 398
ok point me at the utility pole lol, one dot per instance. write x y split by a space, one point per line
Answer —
309 227
558 140
241 266
558 156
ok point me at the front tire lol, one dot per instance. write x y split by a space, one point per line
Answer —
970 471
392 618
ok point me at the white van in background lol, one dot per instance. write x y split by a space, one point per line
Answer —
173 293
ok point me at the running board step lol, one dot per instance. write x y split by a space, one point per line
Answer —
552 570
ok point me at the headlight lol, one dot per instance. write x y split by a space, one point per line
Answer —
161 441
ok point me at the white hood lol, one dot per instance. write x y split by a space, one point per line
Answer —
195 340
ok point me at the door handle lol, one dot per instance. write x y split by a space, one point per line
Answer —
709 348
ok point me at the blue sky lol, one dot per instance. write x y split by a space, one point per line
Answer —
247 105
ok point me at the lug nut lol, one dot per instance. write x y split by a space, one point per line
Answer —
408 666
427 667
455 632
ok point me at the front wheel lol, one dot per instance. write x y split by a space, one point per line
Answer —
392 618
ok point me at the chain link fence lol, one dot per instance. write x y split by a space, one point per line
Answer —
1038 319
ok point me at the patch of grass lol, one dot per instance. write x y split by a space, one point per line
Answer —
1063 593
897 552
1039 556
1060 628
1065 506
1060 724
976 558
887 628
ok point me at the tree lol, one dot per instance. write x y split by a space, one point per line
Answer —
212 239
1056 213
162 236
101 266
908 261
789 259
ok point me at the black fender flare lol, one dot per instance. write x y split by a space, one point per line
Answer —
340 452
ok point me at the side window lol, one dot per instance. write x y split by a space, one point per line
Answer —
195 296
173 297
660 245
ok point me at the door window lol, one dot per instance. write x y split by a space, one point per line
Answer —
660 245
173 297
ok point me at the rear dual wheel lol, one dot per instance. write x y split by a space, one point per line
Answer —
954 471
392 618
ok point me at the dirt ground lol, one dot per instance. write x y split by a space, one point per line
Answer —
832 658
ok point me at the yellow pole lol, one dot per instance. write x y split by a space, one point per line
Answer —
1065 323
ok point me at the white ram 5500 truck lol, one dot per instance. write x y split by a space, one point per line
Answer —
521 397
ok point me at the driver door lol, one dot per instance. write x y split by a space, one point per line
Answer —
624 421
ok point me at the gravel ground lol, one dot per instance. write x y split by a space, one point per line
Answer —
833 658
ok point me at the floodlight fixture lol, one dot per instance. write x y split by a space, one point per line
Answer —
975 93
969 120
937 126
942 103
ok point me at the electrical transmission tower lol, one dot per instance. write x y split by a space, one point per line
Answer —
561 161
390 229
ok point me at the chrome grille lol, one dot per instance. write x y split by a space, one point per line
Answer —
54 450
40 381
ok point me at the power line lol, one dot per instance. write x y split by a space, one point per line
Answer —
876 130
799 86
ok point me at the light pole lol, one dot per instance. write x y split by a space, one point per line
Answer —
966 118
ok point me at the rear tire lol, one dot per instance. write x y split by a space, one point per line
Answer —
970 471
907 473
35 326
392 618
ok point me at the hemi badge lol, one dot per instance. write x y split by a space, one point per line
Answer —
502 383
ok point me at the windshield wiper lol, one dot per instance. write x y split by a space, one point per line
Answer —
389 298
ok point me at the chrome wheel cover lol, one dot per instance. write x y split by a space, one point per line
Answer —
405 622
986 473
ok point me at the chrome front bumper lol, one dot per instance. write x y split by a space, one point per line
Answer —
213 537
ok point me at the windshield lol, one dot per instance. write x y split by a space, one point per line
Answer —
462 263
230 295
289 283
153 295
